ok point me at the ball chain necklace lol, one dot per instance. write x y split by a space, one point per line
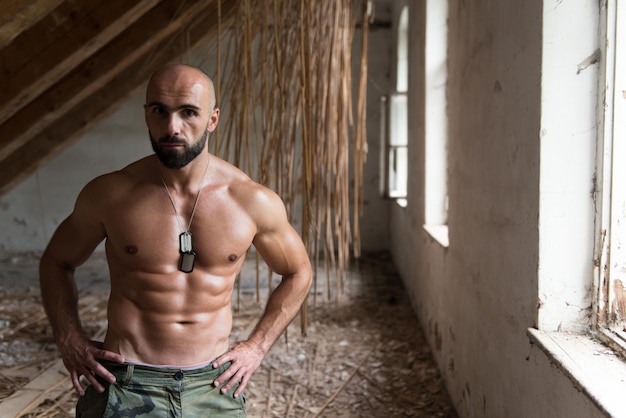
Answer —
185 239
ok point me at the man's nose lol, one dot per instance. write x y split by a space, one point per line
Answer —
173 125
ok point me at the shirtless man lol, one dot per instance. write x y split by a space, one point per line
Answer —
177 226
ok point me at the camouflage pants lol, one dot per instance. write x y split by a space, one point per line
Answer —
146 392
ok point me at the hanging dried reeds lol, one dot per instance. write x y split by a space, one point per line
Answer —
287 82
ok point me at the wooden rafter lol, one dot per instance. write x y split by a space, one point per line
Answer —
18 15
159 37
73 32
92 74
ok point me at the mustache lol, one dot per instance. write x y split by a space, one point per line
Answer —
172 139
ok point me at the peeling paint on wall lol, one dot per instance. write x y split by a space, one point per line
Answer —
619 302
589 61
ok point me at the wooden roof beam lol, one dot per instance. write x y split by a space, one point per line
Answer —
44 34
61 133
18 15
81 38
157 25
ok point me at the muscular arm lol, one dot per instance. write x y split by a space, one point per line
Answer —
283 251
285 254
72 243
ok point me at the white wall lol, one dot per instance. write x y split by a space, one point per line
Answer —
477 297
31 211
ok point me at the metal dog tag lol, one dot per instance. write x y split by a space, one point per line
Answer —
187 261
186 242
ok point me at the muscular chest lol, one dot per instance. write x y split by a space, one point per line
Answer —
146 233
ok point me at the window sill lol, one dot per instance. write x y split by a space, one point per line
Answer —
593 368
402 202
439 233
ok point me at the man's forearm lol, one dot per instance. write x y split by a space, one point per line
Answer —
60 300
282 307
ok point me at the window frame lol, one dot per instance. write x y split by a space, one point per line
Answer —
610 265
436 122
394 158
394 135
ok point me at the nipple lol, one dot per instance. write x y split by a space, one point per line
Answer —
131 249
232 257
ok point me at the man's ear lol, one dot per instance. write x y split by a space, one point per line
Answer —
213 120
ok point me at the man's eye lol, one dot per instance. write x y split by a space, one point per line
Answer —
189 112
158 110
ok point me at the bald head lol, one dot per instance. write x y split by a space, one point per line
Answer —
180 109
177 79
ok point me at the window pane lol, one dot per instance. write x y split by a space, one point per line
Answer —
398 171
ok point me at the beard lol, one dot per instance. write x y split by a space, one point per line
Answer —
172 158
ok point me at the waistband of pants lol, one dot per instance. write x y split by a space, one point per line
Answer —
160 366
124 372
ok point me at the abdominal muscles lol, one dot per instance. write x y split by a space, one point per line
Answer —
170 319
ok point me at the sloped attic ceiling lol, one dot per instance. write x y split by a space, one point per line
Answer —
65 64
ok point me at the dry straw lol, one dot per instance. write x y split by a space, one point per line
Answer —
286 74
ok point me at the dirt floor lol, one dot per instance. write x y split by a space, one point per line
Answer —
364 354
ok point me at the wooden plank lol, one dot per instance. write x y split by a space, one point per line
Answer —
61 133
155 26
47 383
44 34
82 38
35 391
17 16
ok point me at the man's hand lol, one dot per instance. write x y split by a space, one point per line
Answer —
245 358
81 356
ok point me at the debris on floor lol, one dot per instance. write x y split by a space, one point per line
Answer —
364 354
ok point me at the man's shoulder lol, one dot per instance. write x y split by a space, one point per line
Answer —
246 190
259 201
240 187
233 179
116 182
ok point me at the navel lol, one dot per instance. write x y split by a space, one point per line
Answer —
131 249
232 257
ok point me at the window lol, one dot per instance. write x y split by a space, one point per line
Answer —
435 152
394 108
578 146
611 233
394 123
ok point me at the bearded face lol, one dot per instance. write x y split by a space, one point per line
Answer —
177 157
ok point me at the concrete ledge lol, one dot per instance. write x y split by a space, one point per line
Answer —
439 233
593 367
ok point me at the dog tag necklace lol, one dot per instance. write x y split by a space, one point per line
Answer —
185 239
